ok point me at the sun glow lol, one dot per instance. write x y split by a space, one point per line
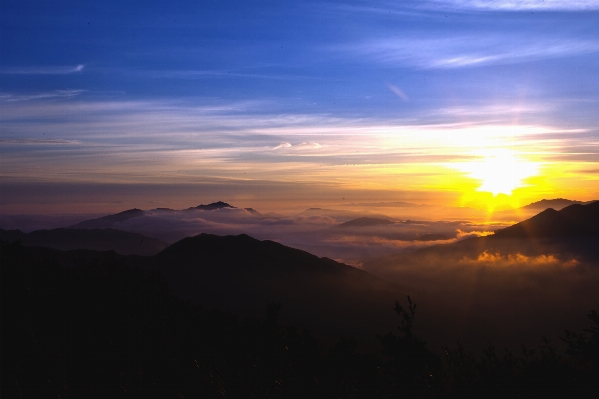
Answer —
500 171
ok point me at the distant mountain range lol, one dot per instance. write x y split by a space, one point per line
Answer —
349 218
213 206
110 220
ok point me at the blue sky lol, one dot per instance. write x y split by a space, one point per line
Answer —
346 94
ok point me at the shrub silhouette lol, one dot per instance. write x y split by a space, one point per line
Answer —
413 371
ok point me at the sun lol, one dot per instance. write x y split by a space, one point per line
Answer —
500 171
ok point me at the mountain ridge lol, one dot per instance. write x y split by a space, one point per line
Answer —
242 273
122 242
573 220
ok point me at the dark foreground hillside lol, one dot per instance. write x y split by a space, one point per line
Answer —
100 328
242 274
123 242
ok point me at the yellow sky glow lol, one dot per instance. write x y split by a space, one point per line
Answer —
500 171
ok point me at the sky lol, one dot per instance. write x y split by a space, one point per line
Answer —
281 106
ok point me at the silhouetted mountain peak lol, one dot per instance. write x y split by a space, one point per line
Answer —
574 220
107 221
242 273
213 206
253 211
240 247
131 211
557 204
262 259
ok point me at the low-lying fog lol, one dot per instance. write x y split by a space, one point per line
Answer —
318 231
509 294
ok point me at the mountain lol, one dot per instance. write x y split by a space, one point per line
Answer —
571 233
122 242
244 274
529 210
108 221
111 221
367 221
556 204
572 221
213 206
531 276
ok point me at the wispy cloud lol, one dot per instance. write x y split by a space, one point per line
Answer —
418 8
209 74
398 92
297 148
38 141
517 4
9 97
178 142
467 51
46 70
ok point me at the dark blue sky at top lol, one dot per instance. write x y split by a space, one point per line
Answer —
334 57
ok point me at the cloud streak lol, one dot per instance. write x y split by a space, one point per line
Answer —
467 51
180 141
46 70
11 97
35 141
517 5
209 74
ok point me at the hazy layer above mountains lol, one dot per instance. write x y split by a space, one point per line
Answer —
347 236
343 234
